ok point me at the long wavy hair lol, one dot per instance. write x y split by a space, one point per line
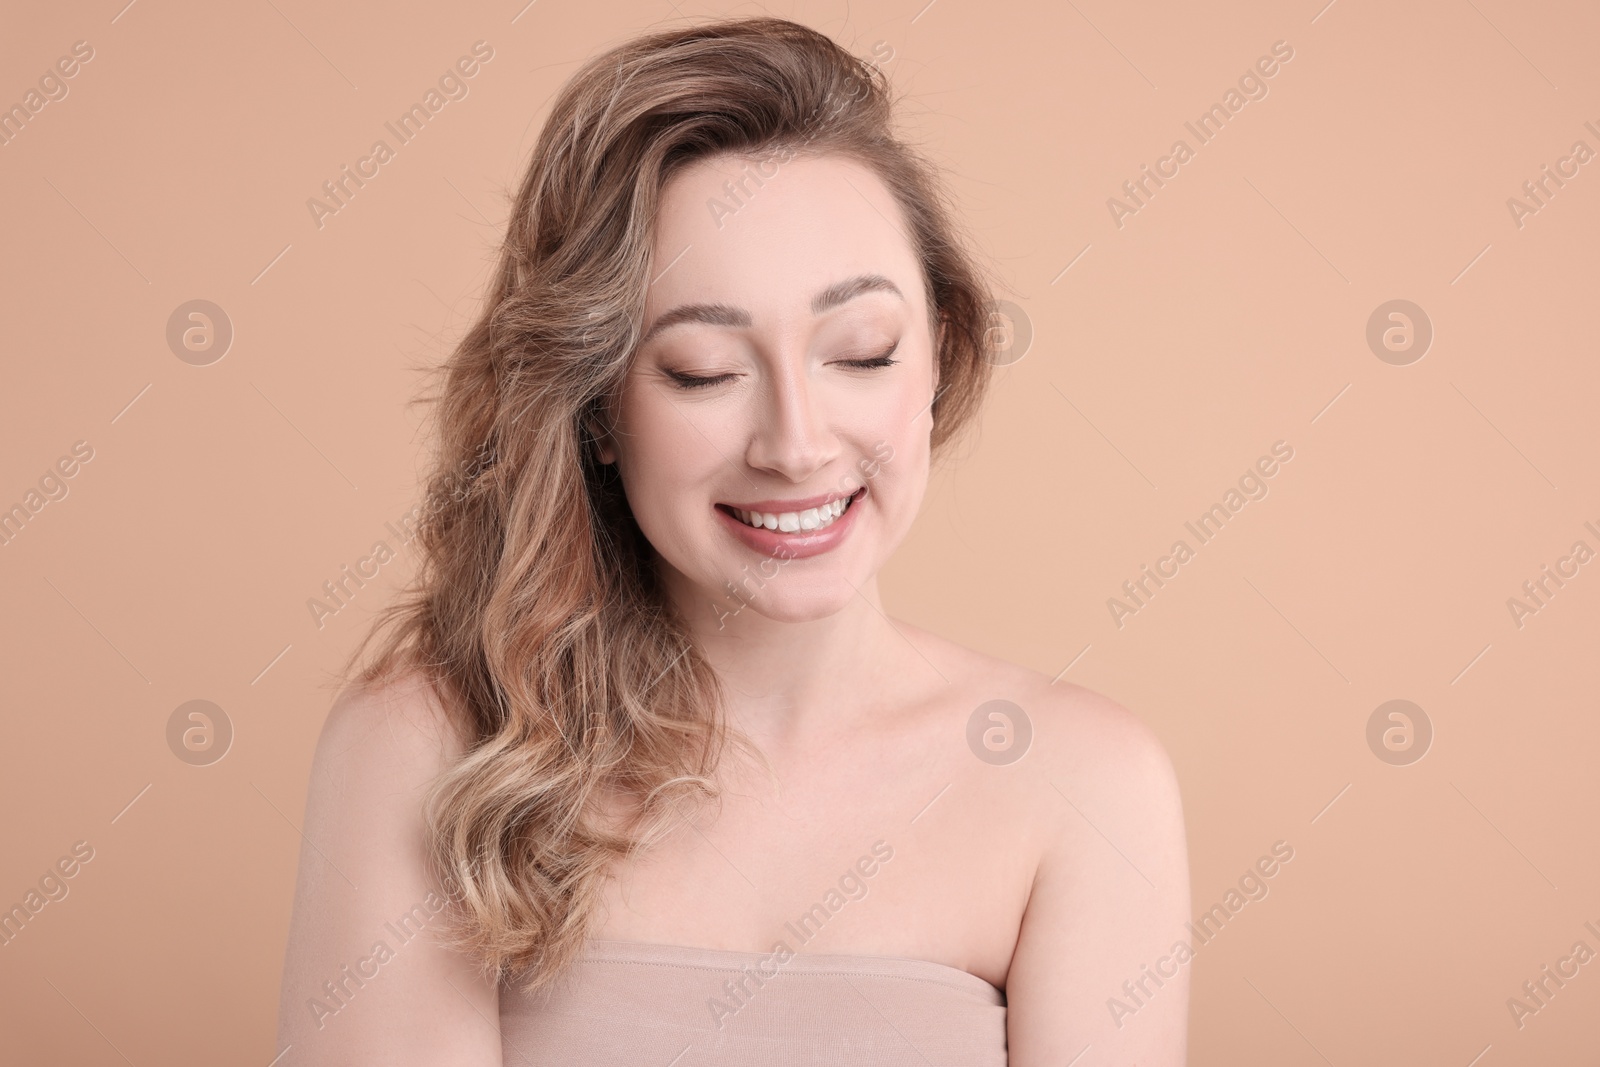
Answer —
535 615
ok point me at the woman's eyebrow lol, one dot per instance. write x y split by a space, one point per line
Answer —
728 315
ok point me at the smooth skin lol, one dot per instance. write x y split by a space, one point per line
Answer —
1057 877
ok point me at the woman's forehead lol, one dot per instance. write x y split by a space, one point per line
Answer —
770 238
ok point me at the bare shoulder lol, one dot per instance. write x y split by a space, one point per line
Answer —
1072 731
366 893
398 723
1095 798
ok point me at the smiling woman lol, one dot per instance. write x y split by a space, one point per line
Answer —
631 806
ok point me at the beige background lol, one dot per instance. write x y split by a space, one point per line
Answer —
1228 313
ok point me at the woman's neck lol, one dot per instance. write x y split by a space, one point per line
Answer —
792 683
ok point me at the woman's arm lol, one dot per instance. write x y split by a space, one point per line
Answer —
1095 966
363 980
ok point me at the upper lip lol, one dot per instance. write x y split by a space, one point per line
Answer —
779 507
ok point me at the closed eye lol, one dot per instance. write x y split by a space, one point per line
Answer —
691 381
875 361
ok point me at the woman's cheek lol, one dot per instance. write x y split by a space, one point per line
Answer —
672 445
904 474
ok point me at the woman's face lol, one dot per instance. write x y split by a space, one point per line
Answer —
785 373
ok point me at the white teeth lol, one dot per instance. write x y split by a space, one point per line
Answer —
793 521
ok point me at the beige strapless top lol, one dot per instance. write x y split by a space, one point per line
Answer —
631 1003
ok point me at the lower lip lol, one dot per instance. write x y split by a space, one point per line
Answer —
796 545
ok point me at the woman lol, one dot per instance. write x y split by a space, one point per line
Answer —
644 773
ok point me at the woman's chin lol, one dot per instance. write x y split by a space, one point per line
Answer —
789 606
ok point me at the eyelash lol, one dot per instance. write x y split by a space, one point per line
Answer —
685 381
876 361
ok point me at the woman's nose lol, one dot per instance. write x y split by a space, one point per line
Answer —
791 434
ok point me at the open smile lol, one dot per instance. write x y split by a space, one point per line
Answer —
793 528
800 520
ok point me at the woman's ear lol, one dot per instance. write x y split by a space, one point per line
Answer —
602 440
